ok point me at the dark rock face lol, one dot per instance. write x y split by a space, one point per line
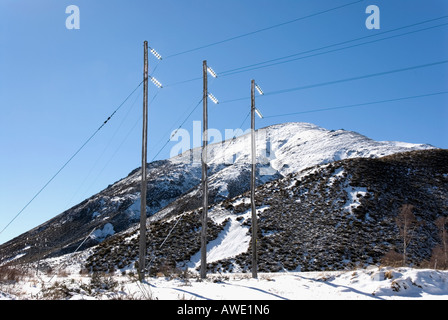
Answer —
329 217
115 205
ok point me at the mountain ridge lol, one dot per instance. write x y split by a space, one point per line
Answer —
282 149
334 216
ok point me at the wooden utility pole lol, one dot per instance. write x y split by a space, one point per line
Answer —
142 251
252 184
204 173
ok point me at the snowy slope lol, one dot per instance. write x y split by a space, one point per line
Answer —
291 147
232 240
67 282
334 216
372 283
281 149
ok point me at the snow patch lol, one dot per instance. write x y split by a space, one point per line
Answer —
101 234
233 240
134 209
361 284
354 193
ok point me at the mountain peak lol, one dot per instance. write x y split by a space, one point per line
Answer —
174 183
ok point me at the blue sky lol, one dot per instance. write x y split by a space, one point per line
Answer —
57 86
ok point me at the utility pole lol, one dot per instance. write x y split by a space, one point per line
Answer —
252 184
142 252
204 173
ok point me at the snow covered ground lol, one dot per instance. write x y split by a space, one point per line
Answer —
280 147
66 281
364 284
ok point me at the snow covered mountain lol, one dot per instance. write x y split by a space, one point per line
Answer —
335 216
174 185
281 149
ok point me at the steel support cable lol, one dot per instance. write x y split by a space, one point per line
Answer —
213 178
70 159
175 131
160 150
169 131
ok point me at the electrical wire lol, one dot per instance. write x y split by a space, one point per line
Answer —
81 186
357 105
272 62
263 65
318 85
71 158
263 29
180 126
276 61
343 80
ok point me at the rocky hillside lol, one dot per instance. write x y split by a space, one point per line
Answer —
326 217
113 210
174 185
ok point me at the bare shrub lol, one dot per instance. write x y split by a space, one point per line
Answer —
12 273
441 223
438 259
439 256
407 225
388 274
392 259
101 282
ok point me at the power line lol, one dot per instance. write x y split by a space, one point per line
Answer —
273 62
180 126
263 29
344 80
71 158
357 105
170 130
102 154
110 158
